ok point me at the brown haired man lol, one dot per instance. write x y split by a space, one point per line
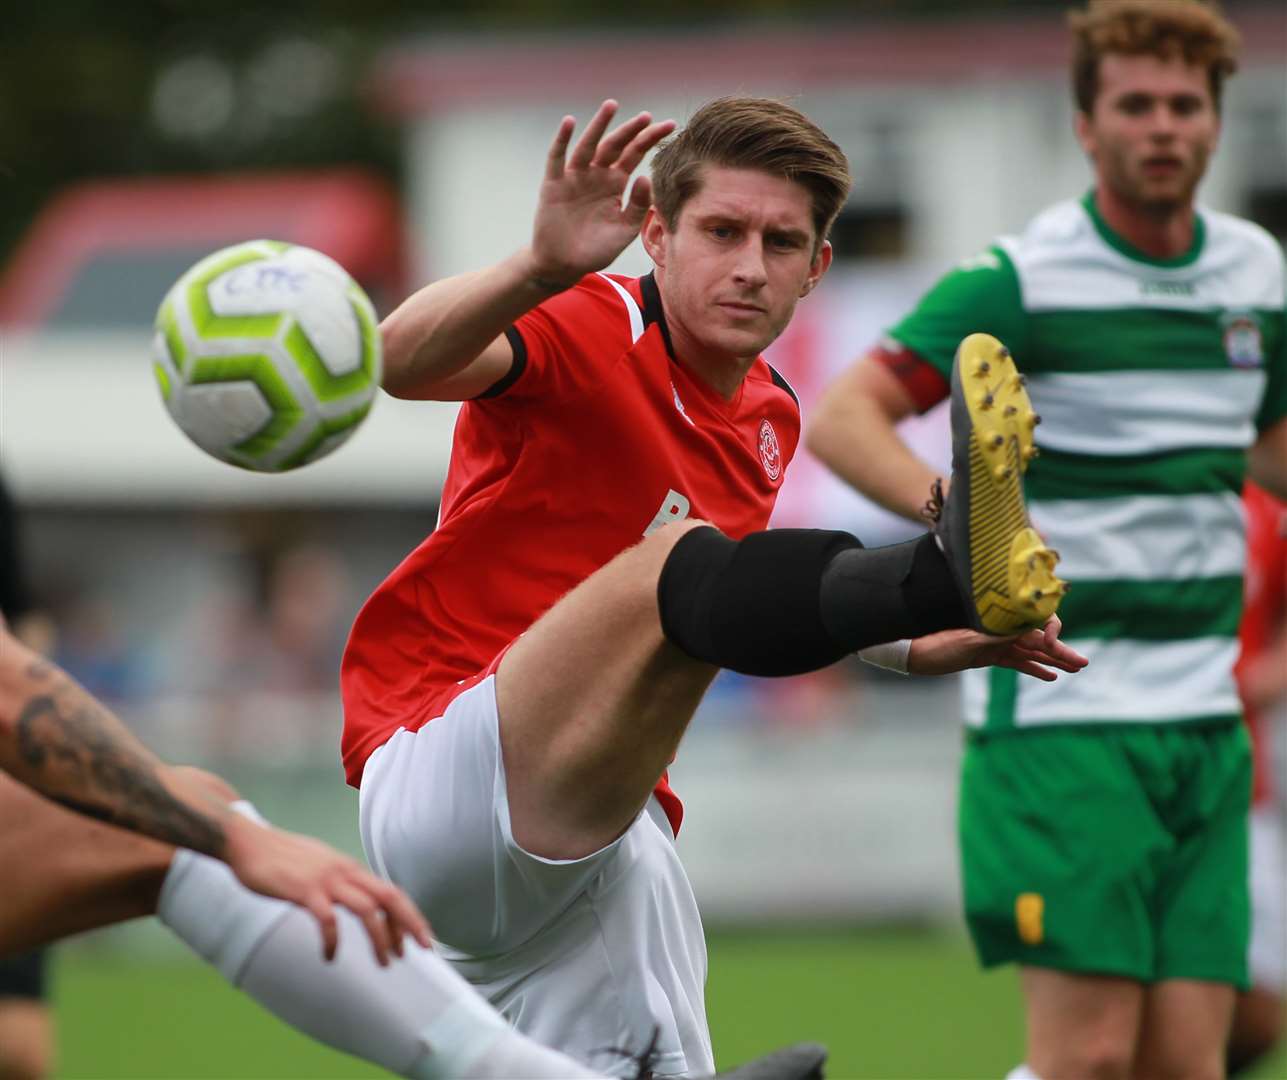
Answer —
516 689
1103 827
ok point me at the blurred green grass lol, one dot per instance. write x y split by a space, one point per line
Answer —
889 1003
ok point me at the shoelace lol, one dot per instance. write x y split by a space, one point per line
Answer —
933 508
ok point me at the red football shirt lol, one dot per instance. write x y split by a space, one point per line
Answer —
1264 608
595 436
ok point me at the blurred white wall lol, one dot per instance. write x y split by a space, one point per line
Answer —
81 420
969 150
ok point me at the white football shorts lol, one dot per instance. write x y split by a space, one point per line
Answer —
1267 957
589 956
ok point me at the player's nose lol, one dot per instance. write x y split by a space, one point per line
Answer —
749 269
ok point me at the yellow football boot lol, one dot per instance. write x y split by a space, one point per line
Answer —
1004 569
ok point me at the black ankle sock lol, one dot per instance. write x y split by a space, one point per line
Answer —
871 595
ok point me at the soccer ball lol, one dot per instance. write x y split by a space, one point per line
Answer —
267 355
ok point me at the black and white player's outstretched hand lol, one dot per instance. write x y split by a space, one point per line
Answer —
581 222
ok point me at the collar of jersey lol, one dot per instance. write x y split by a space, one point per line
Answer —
653 312
1124 247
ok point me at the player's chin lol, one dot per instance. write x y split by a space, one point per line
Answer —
1166 192
752 336
740 340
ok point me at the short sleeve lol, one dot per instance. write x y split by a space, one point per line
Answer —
981 295
568 343
1273 406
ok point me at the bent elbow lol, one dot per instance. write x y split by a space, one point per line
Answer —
397 350
822 433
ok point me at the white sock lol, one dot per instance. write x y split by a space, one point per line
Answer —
417 1017
1022 1072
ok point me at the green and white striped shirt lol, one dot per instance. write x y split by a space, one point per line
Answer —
1152 377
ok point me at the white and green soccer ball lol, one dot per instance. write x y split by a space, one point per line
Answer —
267 355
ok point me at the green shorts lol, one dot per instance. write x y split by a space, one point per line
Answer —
1117 851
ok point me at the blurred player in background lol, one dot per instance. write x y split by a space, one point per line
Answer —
1103 822
26 1024
1262 683
515 690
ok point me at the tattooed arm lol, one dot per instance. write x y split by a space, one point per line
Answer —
56 738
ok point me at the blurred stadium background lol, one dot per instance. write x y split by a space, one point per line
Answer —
209 606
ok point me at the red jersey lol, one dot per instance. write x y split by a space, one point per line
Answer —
596 436
1264 609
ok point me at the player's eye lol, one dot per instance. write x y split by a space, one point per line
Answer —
722 232
1186 105
1135 104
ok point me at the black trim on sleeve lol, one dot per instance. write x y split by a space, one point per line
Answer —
516 368
653 312
781 382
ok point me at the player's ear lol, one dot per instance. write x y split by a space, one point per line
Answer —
653 233
1084 131
821 261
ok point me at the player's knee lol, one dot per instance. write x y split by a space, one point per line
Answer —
751 605
661 542
214 786
26 1041
654 553
1103 1059
25 1063
1259 1023
1097 1057
1249 1042
1184 1067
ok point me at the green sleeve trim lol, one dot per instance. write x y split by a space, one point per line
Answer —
981 295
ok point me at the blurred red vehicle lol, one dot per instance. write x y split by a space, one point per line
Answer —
101 254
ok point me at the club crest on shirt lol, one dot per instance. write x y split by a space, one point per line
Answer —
1242 343
770 452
